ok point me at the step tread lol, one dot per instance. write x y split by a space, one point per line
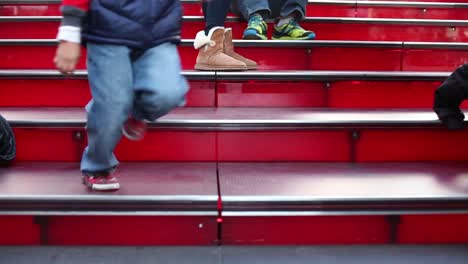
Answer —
212 118
332 254
155 187
323 188
255 75
246 189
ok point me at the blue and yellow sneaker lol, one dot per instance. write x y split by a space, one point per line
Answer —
257 28
292 31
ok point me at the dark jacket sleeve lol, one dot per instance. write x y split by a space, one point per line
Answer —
449 96
74 11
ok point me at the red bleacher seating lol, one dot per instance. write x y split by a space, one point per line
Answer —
332 141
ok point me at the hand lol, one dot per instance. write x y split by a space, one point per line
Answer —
67 56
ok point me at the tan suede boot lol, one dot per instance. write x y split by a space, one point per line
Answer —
211 56
229 50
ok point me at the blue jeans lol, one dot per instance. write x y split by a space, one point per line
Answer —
272 8
215 12
124 82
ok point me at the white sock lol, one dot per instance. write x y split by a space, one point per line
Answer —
284 20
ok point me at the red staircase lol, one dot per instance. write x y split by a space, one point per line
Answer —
333 141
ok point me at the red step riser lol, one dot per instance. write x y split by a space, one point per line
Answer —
434 60
76 93
411 145
271 94
170 146
20 57
47 145
62 145
373 145
383 59
190 9
312 10
382 32
109 230
412 12
324 31
317 230
54 10
19 230
330 11
411 229
339 94
375 94
284 146
434 229
375 59
323 230
30 10
132 230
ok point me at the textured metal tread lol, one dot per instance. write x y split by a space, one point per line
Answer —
254 75
212 119
147 188
265 189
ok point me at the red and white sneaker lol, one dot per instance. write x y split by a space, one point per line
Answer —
101 182
134 129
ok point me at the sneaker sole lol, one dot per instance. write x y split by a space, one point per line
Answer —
202 67
106 187
290 38
101 187
254 37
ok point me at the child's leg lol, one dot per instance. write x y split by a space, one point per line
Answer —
290 12
285 8
110 78
248 8
159 87
210 42
255 12
215 12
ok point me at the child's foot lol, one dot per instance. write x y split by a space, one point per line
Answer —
257 28
134 129
292 31
101 182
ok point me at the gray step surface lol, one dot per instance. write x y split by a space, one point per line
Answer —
435 254
235 118
247 189
152 189
297 189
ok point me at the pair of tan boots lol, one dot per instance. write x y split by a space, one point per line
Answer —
216 52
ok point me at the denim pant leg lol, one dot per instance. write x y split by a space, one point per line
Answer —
158 84
110 78
283 8
248 7
215 12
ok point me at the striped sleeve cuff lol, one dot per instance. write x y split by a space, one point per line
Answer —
69 33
